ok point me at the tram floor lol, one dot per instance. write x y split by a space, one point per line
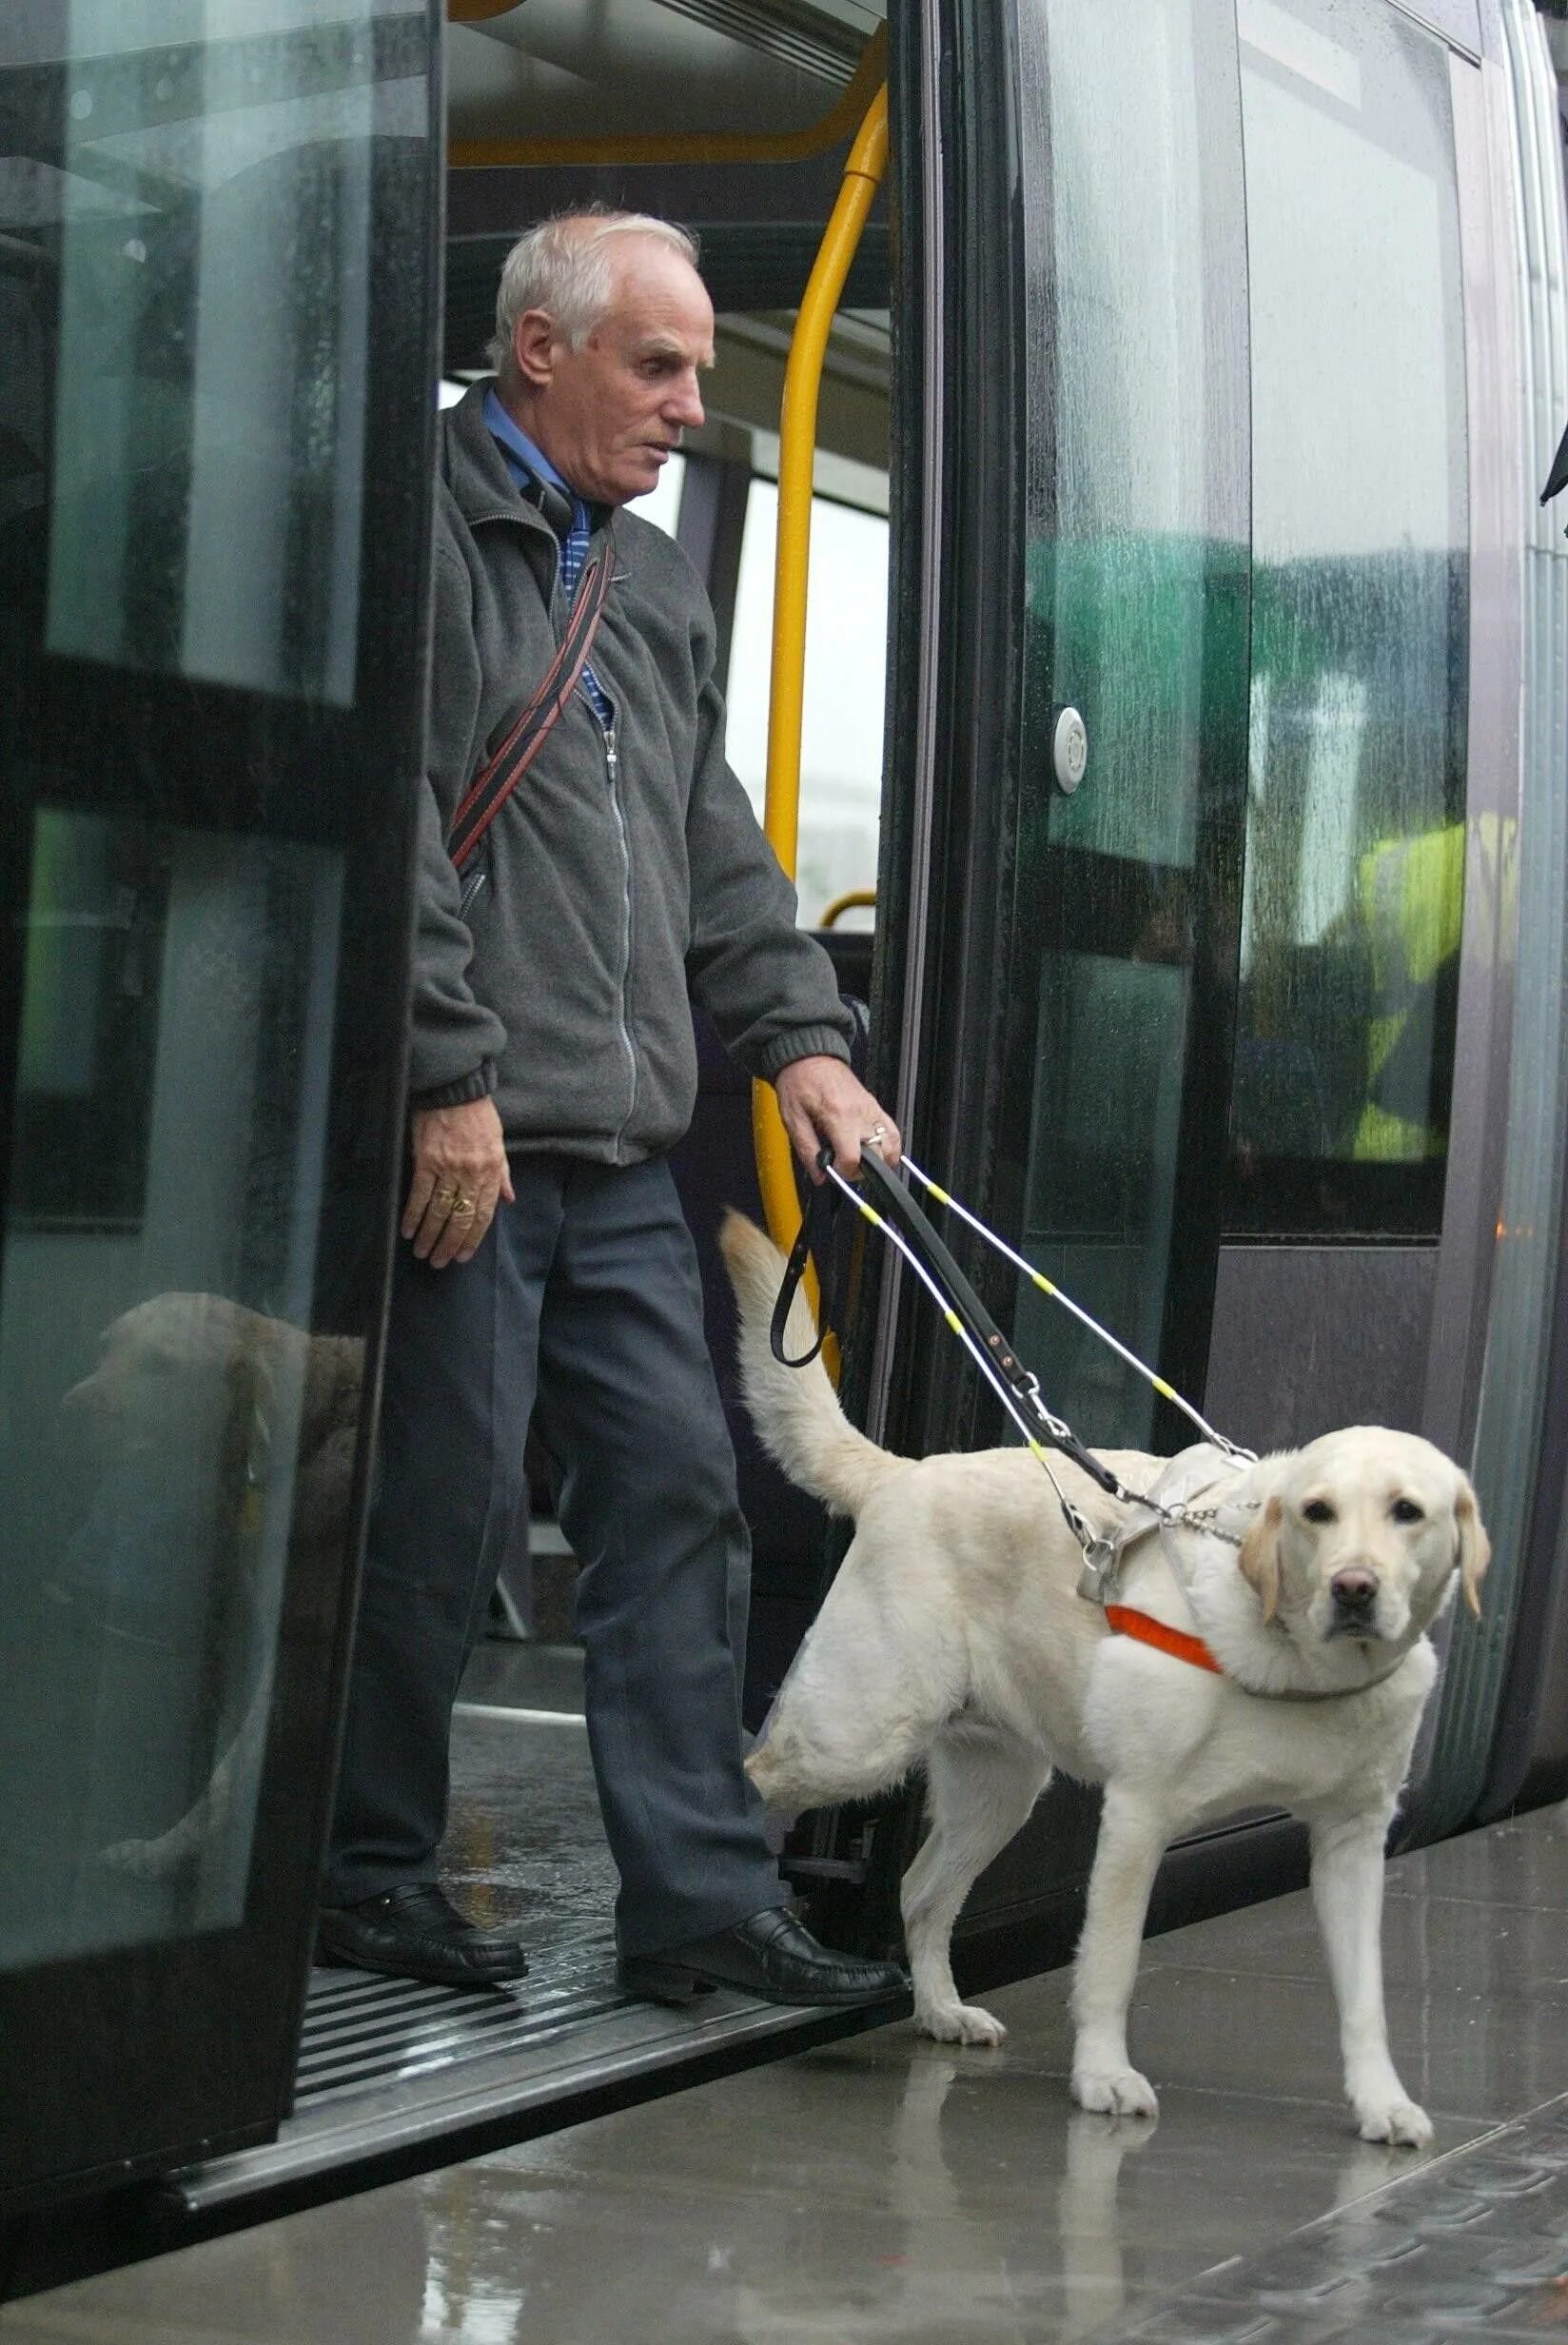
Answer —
524 1843
883 2188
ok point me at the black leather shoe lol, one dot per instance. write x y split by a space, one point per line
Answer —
770 1955
414 1932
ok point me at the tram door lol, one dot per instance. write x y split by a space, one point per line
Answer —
215 362
1227 567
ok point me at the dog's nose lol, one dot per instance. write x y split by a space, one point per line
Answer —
1355 1590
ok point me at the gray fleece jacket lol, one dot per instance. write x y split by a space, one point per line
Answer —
607 899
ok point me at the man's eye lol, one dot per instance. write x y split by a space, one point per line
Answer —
1407 1510
1317 1510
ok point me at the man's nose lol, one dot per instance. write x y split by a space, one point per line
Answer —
687 408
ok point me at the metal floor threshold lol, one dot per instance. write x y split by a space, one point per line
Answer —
394 2076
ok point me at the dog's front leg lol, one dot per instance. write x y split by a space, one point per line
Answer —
1348 1864
1132 1839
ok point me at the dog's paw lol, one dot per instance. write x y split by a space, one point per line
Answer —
1116 2092
960 2023
1397 2120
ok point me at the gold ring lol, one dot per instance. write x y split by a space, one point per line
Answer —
461 1208
445 1199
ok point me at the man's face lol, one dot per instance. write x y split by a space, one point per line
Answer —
609 414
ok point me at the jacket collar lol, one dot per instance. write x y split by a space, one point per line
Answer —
477 474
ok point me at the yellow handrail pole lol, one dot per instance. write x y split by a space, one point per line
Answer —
853 899
863 173
813 138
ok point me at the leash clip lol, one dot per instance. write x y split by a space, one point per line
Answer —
1098 1576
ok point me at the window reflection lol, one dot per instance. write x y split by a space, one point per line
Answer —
1355 843
169 1436
185 261
208 409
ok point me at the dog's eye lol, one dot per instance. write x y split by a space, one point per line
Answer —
1407 1510
1317 1510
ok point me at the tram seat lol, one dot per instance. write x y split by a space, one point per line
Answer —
715 1167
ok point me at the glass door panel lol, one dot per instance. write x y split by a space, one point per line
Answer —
1355 829
209 728
1136 588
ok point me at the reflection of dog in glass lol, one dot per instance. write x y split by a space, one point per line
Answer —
217 1403
954 1638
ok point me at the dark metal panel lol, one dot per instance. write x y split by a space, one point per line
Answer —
1308 1337
1529 1761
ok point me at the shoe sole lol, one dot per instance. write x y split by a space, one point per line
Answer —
328 1958
665 1983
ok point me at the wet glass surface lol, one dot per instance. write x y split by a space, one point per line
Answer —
1135 582
1355 835
167 1430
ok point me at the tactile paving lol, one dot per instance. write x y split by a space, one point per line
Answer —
1471 2245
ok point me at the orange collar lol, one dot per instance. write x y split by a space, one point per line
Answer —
1124 1622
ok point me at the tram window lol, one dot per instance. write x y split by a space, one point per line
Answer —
846 662
207 484
1132 562
183 492
1355 840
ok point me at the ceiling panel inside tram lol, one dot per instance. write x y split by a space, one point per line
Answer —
557 68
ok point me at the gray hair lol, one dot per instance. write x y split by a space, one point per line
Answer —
566 266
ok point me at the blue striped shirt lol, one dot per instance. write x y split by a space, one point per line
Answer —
526 461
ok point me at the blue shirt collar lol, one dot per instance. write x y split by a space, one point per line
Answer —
517 446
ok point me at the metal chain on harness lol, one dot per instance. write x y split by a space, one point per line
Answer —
906 1226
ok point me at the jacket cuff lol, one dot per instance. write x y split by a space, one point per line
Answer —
802 1042
480 1085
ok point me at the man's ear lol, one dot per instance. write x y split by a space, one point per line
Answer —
1260 1557
1475 1547
534 343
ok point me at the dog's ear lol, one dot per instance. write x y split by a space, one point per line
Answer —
1260 1557
1475 1548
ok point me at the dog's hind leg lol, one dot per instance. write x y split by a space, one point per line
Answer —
863 1701
982 1786
1132 1837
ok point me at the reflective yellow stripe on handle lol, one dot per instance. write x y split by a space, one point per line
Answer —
863 173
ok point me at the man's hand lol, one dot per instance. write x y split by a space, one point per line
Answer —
459 1171
823 1099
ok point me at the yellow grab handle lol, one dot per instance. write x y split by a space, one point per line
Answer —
852 900
863 173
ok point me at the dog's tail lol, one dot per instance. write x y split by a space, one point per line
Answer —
796 1409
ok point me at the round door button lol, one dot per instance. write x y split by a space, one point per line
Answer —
1068 750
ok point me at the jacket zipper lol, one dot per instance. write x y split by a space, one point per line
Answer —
612 768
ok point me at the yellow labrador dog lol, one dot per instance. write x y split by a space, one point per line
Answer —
953 1637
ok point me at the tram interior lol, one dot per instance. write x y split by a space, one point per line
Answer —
524 1843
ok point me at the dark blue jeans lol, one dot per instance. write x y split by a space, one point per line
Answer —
584 1306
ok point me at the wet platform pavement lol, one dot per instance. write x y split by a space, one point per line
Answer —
885 2188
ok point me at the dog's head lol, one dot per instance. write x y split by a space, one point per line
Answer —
1359 1535
166 1365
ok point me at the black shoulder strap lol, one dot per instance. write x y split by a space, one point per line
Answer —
499 776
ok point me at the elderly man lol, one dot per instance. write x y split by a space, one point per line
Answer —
546 1266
